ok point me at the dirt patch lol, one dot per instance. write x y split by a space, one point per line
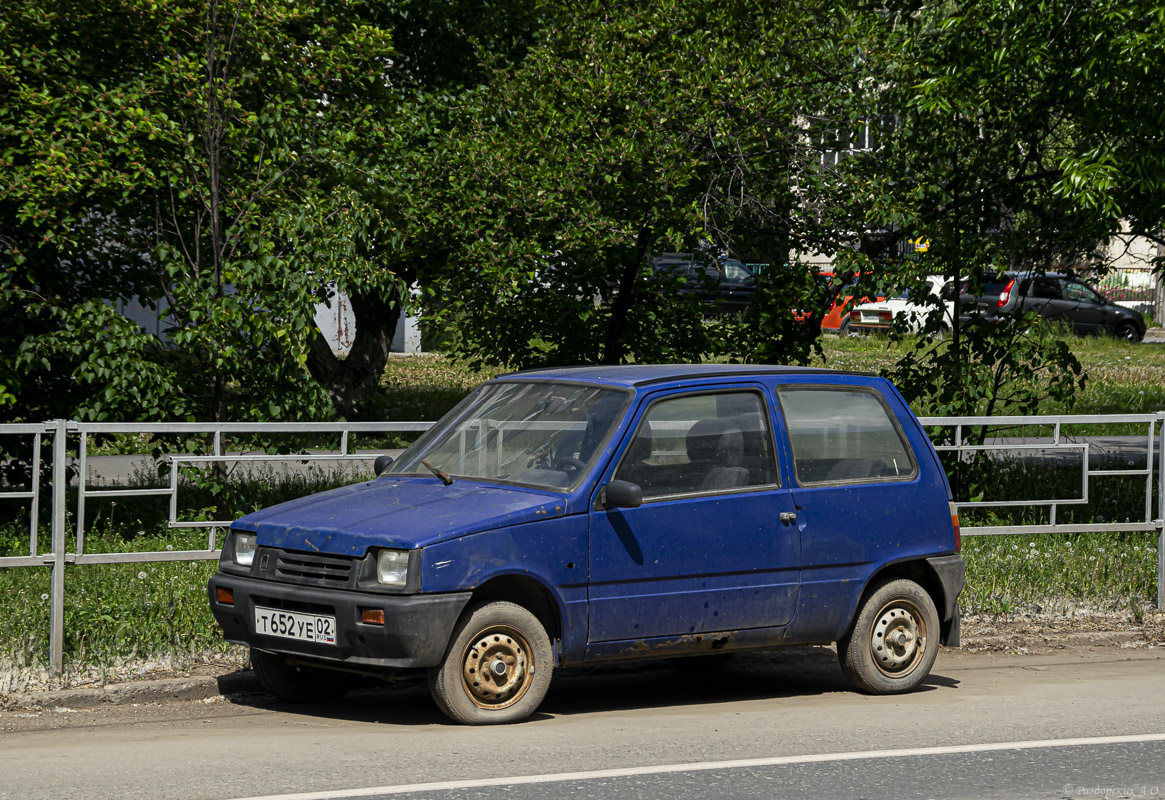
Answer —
16 679
1023 634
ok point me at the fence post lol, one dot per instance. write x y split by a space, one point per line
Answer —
1160 510
60 429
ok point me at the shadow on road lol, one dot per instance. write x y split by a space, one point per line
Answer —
626 686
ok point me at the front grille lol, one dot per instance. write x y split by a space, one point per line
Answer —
316 570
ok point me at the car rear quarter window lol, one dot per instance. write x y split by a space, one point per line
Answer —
701 443
844 435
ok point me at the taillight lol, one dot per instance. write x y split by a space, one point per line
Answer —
955 527
1005 295
886 316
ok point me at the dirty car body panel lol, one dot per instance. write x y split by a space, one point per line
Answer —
769 503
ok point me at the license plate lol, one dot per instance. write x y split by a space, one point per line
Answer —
294 625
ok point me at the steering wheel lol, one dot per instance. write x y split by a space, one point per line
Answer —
568 464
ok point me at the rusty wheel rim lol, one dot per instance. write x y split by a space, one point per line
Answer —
898 640
497 667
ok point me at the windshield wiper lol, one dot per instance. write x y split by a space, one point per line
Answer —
445 479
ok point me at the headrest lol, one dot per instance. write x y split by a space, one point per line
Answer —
715 442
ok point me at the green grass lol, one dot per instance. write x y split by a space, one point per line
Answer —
1060 573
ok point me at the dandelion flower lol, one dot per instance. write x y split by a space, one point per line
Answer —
44 597
142 575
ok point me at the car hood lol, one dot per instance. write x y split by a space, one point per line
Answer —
396 512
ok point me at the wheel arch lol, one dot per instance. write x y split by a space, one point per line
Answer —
527 592
922 572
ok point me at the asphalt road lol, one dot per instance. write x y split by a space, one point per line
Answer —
779 724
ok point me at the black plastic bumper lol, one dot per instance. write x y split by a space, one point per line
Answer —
415 632
952 574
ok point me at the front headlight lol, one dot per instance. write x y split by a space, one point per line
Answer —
392 567
244 545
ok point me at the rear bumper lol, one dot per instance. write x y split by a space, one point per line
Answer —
951 572
415 632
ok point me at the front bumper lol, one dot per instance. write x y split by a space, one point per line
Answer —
415 632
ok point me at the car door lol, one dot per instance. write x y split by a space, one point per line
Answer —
1088 308
707 551
1045 296
859 494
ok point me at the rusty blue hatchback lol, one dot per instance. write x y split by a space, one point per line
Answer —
567 516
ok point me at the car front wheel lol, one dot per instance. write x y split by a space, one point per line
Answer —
894 640
497 667
1127 332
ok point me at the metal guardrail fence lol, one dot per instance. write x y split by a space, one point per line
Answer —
61 432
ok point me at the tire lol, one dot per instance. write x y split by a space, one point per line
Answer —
1128 332
898 609
508 688
297 684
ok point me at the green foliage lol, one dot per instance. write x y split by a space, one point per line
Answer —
220 160
994 153
630 131
1057 574
1013 367
774 330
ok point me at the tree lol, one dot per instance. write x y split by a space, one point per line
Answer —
201 156
236 162
994 149
630 131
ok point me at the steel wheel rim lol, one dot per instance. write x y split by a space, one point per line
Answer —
898 639
497 667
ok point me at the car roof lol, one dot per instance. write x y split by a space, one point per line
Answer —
632 375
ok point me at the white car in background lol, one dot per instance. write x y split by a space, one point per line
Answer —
881 316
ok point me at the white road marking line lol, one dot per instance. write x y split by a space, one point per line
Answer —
702 766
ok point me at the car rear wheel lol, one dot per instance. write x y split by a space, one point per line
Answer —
1128 332
497 667
894 641
297 684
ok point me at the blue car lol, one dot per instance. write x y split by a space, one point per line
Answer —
570 516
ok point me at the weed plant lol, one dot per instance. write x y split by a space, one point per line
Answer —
1060 573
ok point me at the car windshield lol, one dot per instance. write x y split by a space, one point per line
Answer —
540 434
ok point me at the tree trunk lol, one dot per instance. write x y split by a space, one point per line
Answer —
347 379
614 348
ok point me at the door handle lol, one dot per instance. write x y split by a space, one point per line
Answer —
788 516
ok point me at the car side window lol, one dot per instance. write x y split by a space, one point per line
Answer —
1074 290
736 273
841 435
1042 289
714 442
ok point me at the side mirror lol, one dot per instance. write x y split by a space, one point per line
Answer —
622 494
381 464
